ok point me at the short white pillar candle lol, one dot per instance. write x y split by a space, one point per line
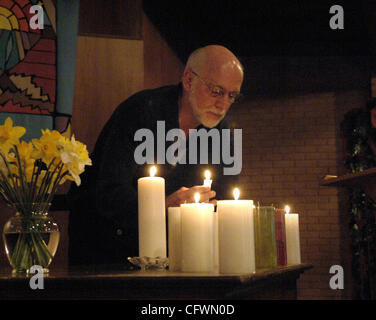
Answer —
197 235
236 235
292 237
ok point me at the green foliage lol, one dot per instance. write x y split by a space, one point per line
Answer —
358 134
363 236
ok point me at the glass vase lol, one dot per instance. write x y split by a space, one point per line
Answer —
31 237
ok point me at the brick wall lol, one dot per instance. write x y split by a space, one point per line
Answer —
289 144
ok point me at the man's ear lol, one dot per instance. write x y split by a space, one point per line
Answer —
187 79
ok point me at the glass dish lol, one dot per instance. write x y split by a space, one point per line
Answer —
148 263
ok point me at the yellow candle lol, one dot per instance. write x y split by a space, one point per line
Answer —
151 216
292 237
236 235
197 236
265 240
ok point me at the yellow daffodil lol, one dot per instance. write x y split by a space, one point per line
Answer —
25 149
26 173
10 135
75 157
67 176
46 146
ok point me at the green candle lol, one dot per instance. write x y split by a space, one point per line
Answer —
265 241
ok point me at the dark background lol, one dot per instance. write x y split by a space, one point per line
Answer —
253 28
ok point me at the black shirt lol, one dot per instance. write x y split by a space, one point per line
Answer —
103 226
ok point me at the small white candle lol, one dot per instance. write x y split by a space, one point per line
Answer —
197 236
207 181
236 235
174 238
151 216
292 237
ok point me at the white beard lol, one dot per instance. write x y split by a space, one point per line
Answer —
201 117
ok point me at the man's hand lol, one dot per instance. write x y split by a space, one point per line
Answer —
187 195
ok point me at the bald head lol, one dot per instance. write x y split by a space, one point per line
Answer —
209 59
212 76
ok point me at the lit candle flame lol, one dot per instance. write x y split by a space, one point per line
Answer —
287 209
236 193
197 197
153 170
207 175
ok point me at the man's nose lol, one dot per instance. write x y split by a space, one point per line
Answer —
222 102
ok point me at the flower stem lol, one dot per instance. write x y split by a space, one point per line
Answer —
30 249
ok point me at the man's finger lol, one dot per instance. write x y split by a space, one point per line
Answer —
200 189
206 196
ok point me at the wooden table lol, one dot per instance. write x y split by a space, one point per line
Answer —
278 283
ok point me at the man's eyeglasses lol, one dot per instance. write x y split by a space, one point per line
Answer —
218 91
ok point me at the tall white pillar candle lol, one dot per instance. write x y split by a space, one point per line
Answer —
292 237
236 236
151 216
174 239
197 235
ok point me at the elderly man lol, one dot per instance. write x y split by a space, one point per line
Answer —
104 221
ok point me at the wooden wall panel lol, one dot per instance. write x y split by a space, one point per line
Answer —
108 71
162 66
115 19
